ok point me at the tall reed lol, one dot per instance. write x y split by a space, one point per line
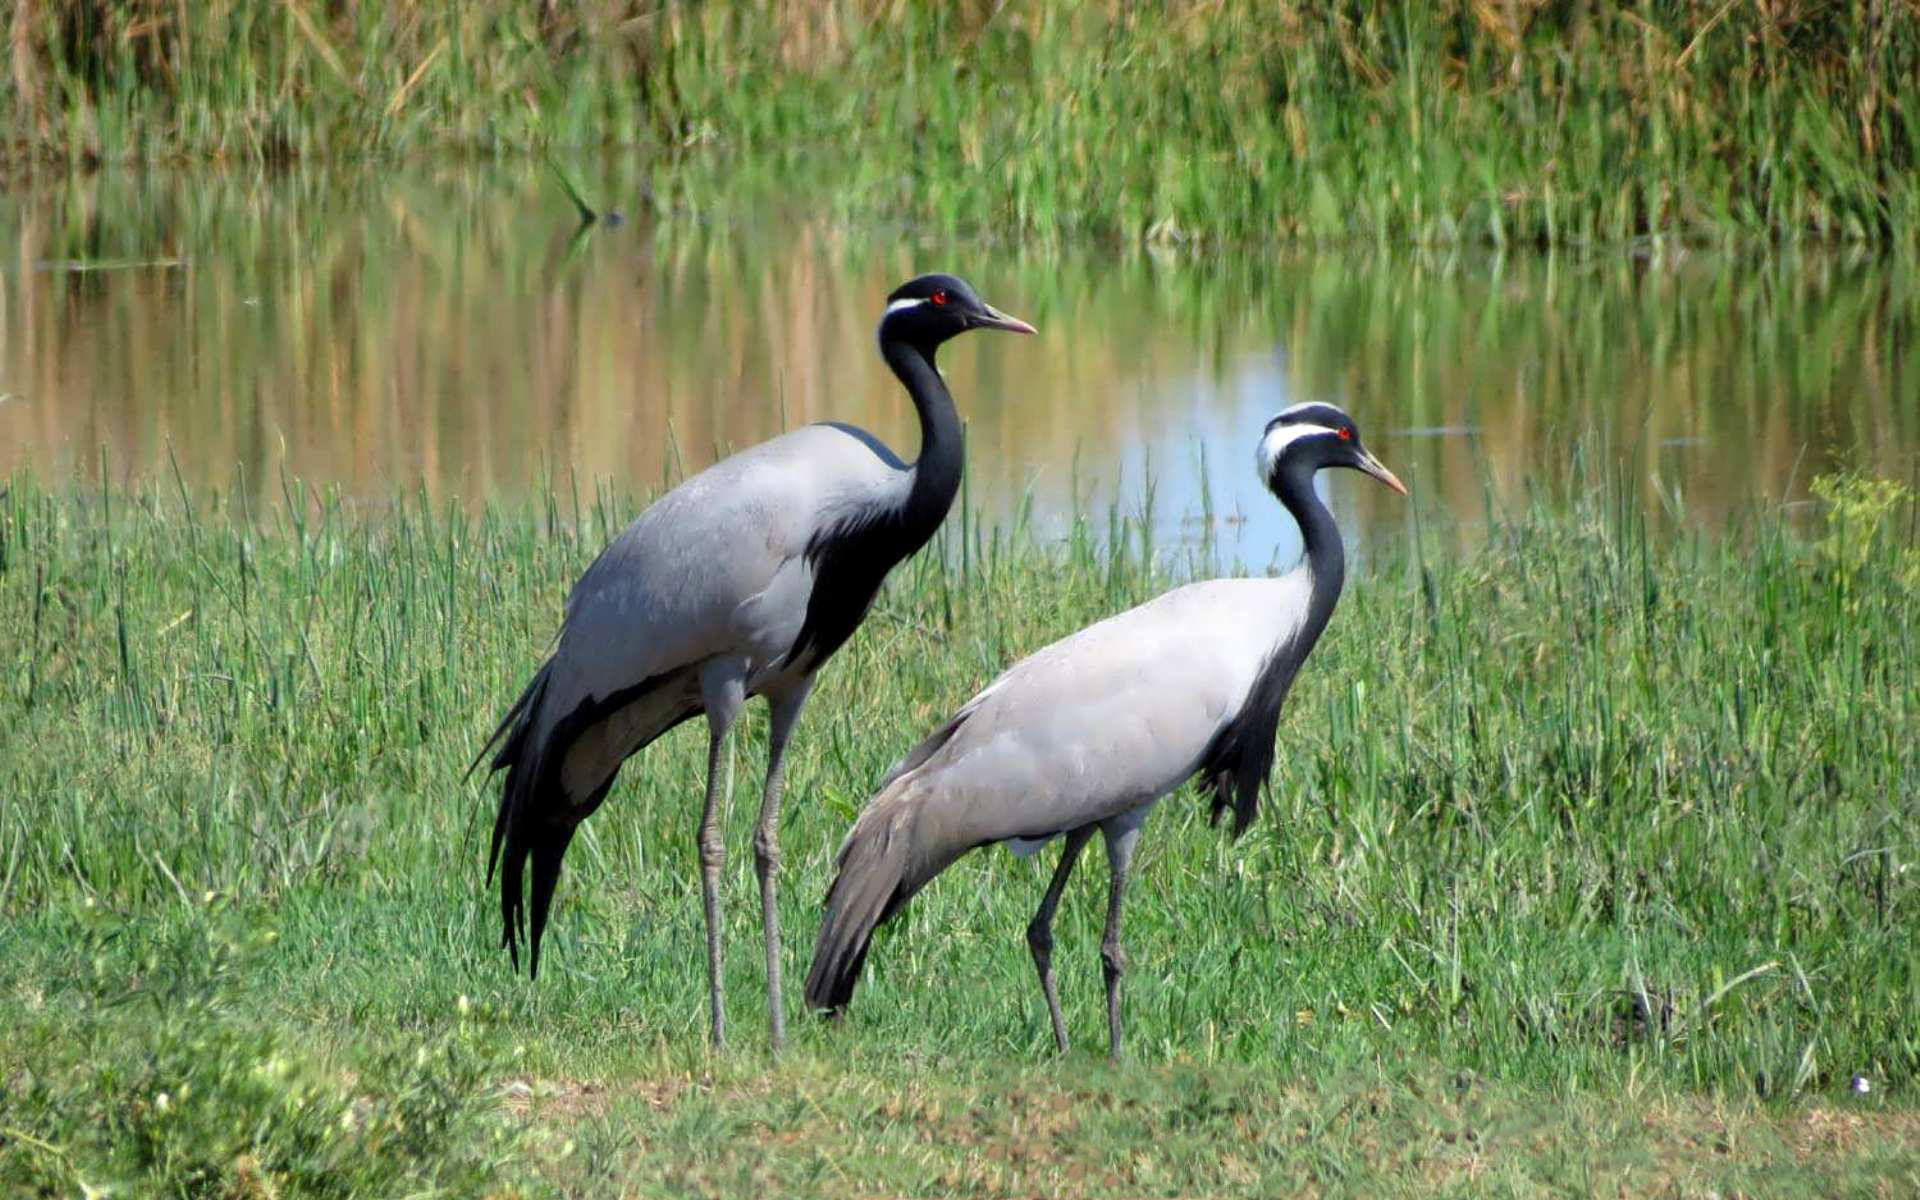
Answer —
1180 121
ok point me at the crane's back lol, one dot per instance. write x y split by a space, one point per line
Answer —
666 592
1106 720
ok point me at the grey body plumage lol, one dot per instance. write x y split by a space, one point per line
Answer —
740 582
1089 733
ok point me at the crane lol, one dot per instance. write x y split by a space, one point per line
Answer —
742 581
1089 733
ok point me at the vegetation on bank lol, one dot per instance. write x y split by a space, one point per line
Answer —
1597 873
1196 121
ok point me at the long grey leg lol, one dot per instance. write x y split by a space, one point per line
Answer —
1040 931
766 845
1120 844
723 692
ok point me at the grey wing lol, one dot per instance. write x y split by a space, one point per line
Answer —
1103 721
1096 725
717 566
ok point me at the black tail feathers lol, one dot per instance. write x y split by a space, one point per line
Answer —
519 720
546 846
537 815
519 831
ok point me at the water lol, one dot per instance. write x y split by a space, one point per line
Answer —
442 327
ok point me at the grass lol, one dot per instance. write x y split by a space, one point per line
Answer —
1588 865
1185 122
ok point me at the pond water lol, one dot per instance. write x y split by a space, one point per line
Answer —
442 327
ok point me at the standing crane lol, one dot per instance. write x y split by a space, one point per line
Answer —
1088 733
740 582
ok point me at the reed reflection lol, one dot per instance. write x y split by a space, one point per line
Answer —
442 328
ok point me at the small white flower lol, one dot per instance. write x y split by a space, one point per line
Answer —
1861 1085
162 1102
464 1005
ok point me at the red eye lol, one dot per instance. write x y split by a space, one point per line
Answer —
939 297
1346 435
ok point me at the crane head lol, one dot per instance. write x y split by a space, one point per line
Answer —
1307 437
932 308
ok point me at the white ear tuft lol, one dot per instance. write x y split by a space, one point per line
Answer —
1276 442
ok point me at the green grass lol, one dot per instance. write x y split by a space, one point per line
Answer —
1174 122
1596 871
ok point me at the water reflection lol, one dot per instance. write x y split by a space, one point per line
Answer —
440 326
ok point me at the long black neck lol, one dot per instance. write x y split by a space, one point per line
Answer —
1326 557
1235 763
936 476
851 559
